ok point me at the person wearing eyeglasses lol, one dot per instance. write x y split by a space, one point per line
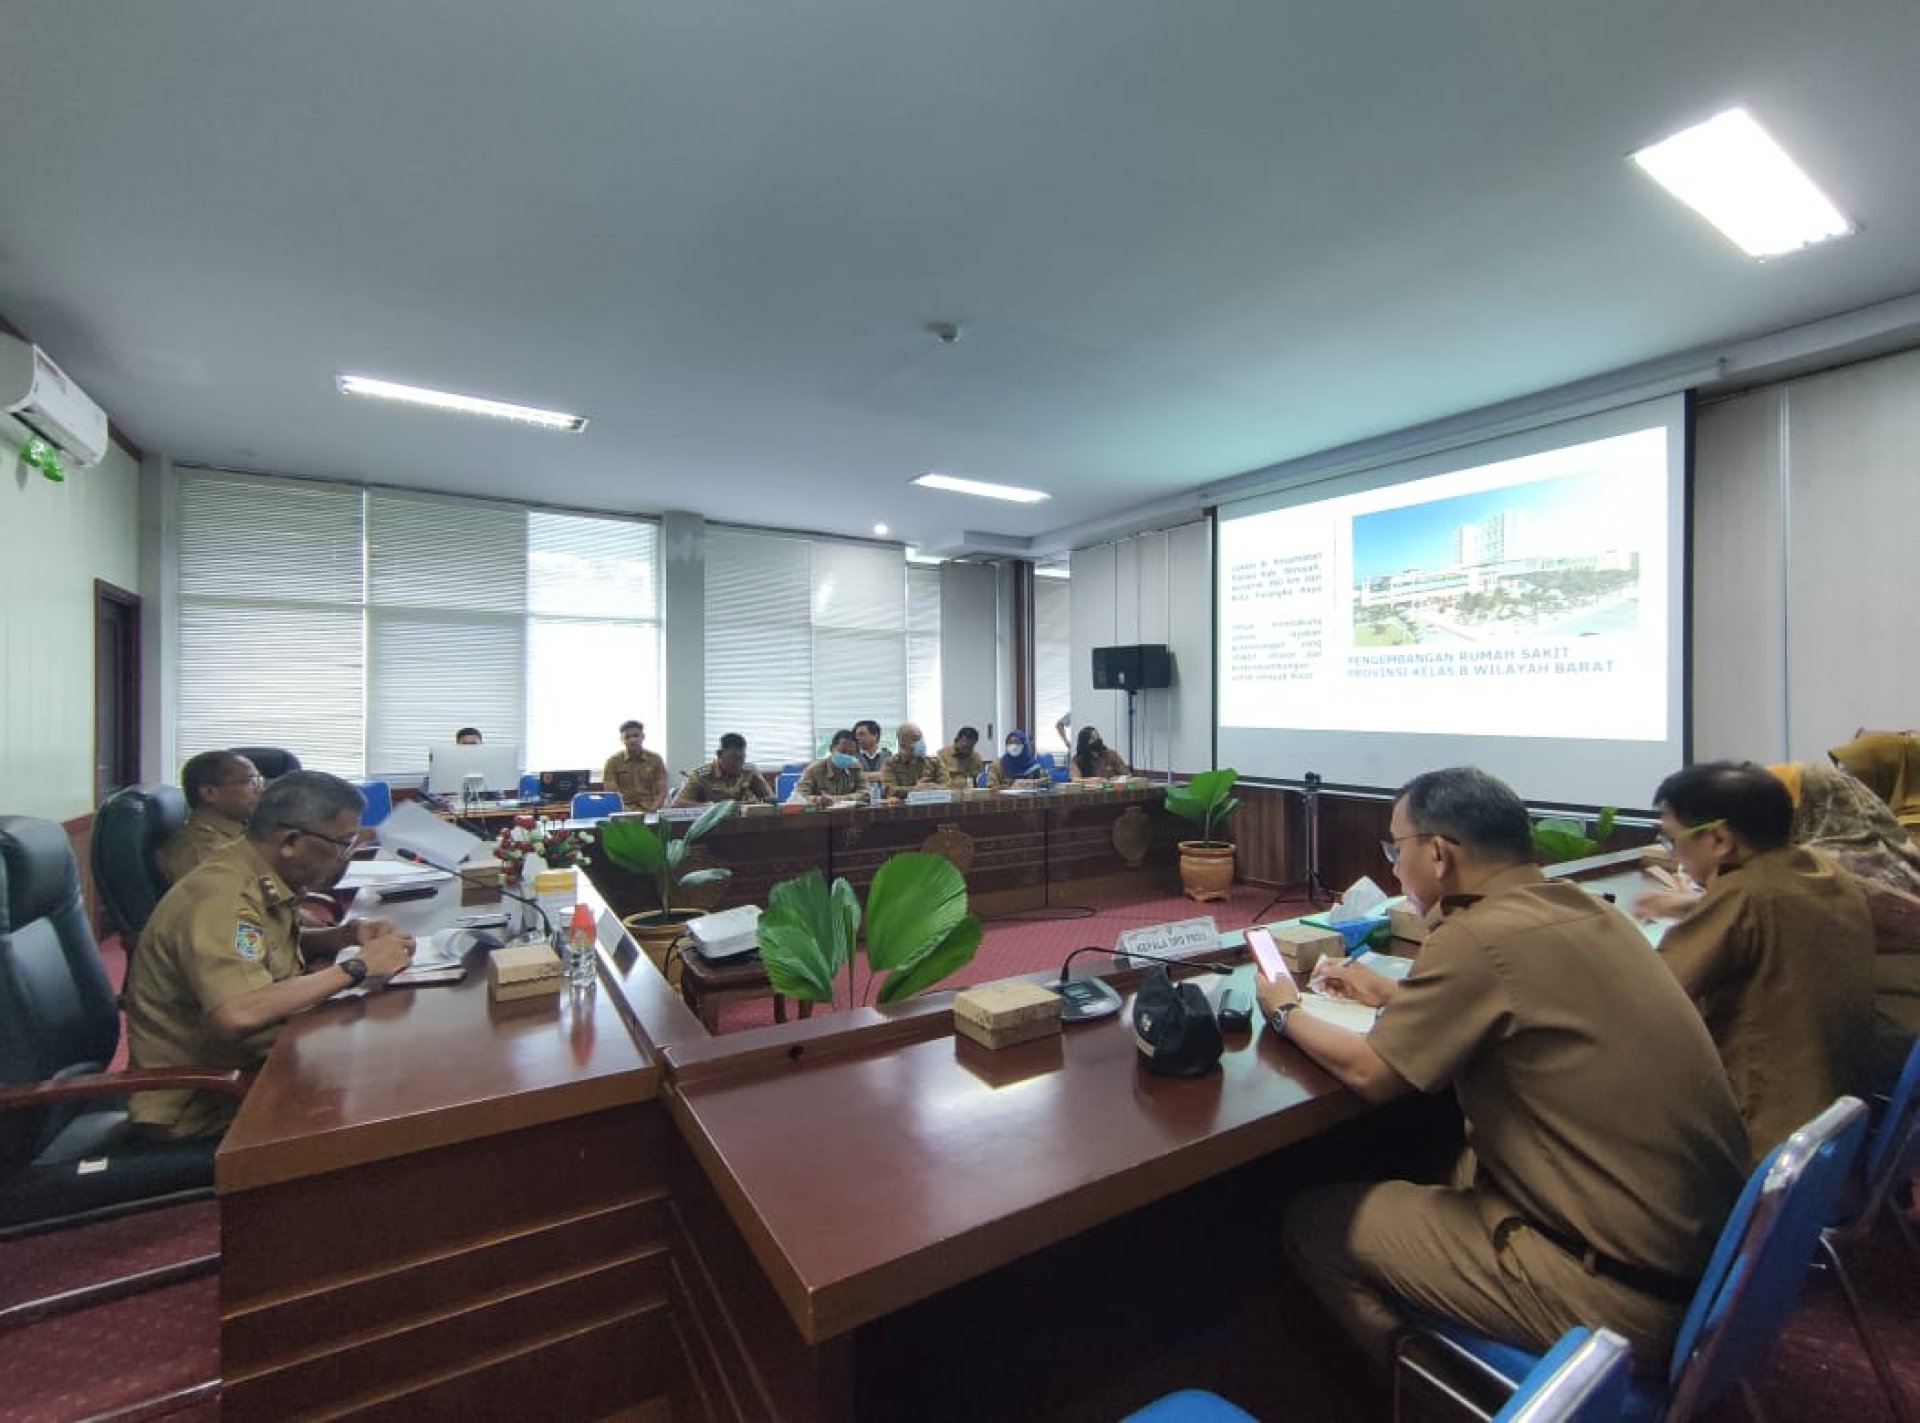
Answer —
224 960
222 788
1604 1146
1777 953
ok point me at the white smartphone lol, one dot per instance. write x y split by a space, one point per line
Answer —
1266 953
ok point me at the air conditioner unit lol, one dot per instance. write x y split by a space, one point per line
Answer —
37 393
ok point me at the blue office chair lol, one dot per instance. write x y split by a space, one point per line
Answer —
1886 1149
530 786
784 783
1581 1379
1746 1294
1060 774
595 805
379 801
796 767
981 780
1190 1405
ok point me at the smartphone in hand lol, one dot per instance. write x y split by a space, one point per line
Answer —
1266 953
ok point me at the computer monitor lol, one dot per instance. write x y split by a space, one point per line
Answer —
449 764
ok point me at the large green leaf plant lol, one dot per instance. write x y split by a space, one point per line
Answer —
644 849
918 929
1560 838
1207 800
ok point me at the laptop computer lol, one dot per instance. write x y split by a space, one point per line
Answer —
564 785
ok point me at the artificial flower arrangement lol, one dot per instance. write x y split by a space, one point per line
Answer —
551 840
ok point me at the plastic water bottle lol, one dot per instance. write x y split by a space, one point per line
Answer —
581 965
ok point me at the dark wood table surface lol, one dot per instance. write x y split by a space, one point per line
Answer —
866 1179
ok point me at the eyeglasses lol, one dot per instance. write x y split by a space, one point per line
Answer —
1391 848
1671 842
343 846
256 781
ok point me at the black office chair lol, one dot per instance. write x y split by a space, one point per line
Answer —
65 1158
128 828
270 761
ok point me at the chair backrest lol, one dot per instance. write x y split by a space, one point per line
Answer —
57 1013
784 783
595 805
130 826
981 779
1583 1377
271 762
530 786
379 796
1752 1283
1896 1125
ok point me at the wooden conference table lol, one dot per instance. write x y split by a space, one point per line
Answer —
592 1207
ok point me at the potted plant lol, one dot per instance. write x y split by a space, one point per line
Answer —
1206 864
548 841
653 850
1560 838
918 929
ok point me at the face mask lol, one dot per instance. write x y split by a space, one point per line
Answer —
920 748
1096 746
843 760
1014 748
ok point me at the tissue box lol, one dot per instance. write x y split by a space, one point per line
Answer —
480 883
523 971
1002 1014
1302 945
1357 934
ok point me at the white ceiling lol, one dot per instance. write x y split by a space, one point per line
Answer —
1183 240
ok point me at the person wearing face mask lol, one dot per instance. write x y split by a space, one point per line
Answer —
1017 765
910 767
835 774
1093 759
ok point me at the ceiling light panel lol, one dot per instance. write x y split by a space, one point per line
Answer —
1013 494
460 404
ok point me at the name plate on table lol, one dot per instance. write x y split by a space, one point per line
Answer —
682 812
1182 939
935 797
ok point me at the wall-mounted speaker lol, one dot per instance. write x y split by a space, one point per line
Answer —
1140 667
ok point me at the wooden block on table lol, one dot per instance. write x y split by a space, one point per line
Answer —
1002 1014
1408 923
523 971
1302 945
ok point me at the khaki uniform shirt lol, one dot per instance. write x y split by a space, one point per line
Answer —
710 783
205 834
641 780
1778 953
1594 1102
825 778
959 771
999 780
904 771
1108 763
226 929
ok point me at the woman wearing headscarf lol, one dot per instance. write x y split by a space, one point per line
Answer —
1017 764
1888 764
1845 820
1093 759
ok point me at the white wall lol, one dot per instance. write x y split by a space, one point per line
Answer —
1804 502
970 627
59 538
1154 587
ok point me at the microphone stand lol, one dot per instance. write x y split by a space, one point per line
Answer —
548 932
1085 998
1310 825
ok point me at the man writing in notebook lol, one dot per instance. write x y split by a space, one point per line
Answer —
1604 1146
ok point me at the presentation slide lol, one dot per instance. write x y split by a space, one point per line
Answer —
1518 608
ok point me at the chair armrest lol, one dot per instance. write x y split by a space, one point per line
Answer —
230 1082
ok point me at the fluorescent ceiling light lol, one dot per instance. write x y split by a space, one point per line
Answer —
1730 172
460 404
1011 493
915 556
1052 570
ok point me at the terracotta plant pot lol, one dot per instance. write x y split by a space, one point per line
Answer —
1206 869
657 931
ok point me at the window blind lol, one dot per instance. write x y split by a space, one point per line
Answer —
923 650
1052 658
759 664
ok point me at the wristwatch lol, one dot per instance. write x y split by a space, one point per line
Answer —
1277 1019
354 967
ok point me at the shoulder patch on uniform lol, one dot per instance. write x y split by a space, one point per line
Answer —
249 940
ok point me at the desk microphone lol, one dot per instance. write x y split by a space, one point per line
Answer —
1084 998
473 877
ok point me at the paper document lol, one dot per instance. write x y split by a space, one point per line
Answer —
388 874
1341 1012
1362 900
413 827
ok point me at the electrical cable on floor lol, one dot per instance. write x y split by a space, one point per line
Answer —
1043 916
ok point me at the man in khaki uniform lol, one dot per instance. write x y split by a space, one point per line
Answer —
1605 1148
836 774
1778 952
222 788
637 773
726 777
223 960
960 763
910 767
